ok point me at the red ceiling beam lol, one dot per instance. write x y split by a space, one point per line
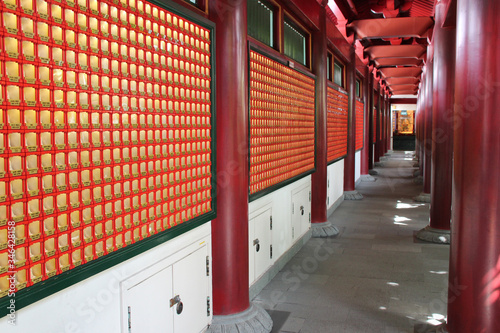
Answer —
386 62
398 27
396 51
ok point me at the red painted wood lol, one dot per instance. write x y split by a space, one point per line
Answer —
388 130
230 228
319 178
442 133
376 157
474 289
366 135
349 161
427 140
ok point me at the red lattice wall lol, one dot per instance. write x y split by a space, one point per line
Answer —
105 129
360 121
281 123
336 124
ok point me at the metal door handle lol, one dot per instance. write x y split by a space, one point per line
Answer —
180 305
256 244
175 300
302 210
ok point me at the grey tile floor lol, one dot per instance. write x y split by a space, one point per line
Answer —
375 276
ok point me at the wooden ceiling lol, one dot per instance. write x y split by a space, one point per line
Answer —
395 35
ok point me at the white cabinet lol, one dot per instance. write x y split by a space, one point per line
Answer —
172 296
260 242
301 212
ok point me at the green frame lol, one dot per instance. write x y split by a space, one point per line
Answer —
35 293
282 60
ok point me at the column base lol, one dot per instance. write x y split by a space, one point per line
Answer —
352 195
368 178
416 164
323 230
378 164
384 158
415 159
423 197
253 320
417 173
427 328
433 235
418 180
373 172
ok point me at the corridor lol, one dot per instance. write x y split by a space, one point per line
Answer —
375 276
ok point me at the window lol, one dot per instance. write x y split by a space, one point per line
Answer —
200 4
260 21
358 88
338 73
295 42
329 59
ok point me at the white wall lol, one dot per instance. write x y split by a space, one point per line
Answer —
335 182
93 305
357 166
281 204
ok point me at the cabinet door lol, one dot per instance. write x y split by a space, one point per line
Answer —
260 237
301 208
147 304
191 284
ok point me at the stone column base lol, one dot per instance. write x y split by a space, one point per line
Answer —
418 180
384 158
378 164
417 173
373 172
368 178
423 197
352 195
433 235
253 320
416 164
428 328
323 230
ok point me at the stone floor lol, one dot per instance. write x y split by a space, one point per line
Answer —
375 276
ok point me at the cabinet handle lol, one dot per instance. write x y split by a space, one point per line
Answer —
180 305
302 210
175 300
256 244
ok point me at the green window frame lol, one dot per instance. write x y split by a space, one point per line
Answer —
338 73
295 42
261 20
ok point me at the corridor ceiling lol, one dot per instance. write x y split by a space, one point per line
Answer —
395 35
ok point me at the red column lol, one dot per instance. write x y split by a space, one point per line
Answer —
426 142
319 178
349 161
371 126
474 293
384 128
442 130
376 157
428 129
389 124
230 229
366 134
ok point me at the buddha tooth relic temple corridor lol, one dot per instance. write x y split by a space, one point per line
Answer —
257 166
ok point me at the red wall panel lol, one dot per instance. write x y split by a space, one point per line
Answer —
360 121
281 123
336 124
104 129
